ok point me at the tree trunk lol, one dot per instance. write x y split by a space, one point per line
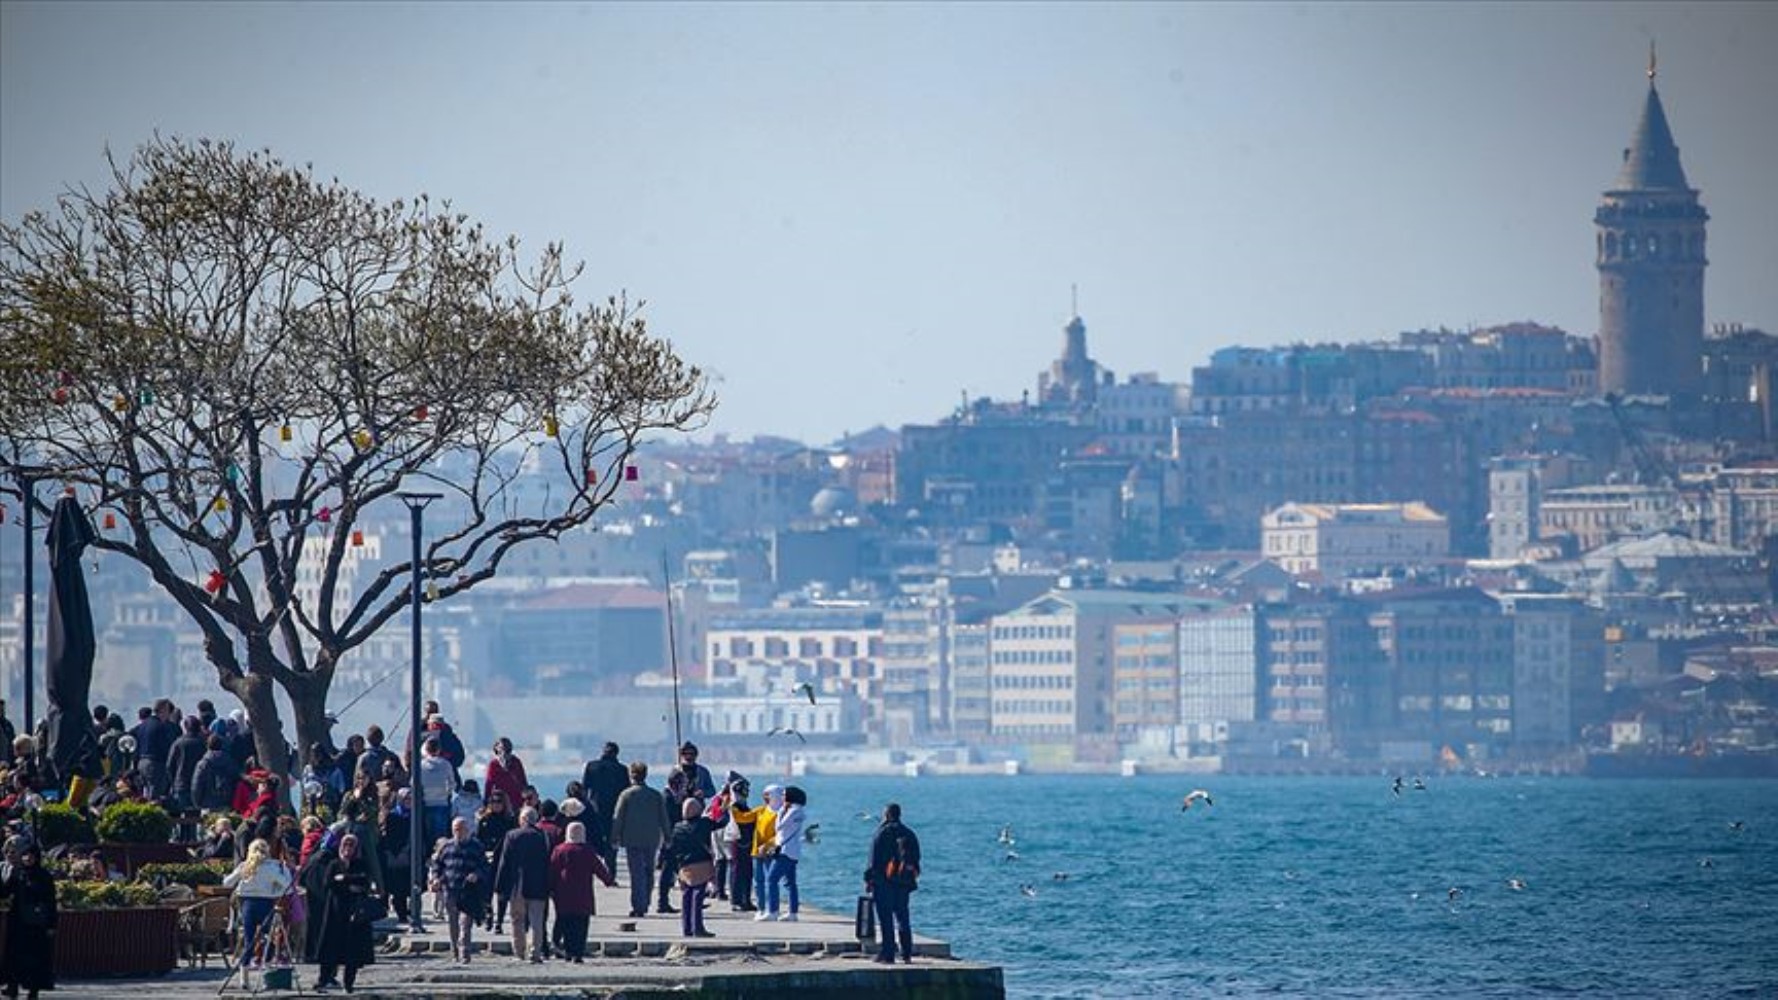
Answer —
308 700
256 691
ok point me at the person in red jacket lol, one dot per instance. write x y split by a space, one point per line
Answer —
506 773
572 867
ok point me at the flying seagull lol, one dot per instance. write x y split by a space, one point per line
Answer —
1028 891
1419 785
1452 893
867 816
1006 836
1396 788
1516 884
776 731
1011 856
807 689
1738 826
1193 797
812 834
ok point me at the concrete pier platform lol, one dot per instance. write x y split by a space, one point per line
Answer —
817 957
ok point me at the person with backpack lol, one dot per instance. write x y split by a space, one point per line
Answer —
214 778
893 875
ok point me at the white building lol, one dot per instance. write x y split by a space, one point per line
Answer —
1218 672
1336 540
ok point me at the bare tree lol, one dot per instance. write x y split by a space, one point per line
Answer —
231 362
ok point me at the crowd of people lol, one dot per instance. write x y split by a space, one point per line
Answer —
333 855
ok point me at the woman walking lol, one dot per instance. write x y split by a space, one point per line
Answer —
491 828
29 960
351 909
572 867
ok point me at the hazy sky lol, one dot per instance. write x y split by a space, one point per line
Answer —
850 214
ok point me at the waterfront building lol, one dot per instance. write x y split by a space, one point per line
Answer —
1052 659
1218 674
1591 516
1558 669
838 649
1441 675
1144 675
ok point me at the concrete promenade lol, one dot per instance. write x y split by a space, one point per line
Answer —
815 957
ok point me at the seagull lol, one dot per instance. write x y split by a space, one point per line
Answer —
1193 797
1419 785
1452 893
1006 834
812 834
1516 884
776 731
807 689
1028 891
1706 863
867 816
1059 877
1396 788
1738 826
1011 856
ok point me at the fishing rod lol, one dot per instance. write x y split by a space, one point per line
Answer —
347 707
672 650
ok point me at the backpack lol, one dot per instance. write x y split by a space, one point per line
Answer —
904 868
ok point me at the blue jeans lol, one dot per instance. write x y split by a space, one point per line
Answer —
762 873
256 912
783 870
438 824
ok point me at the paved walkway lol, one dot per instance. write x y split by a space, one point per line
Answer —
816 956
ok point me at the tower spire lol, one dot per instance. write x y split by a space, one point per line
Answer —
1073 299
1651 62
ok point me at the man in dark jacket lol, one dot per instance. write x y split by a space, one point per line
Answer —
640 825
214 777
182 761
603 781
523 878
893 874
154 741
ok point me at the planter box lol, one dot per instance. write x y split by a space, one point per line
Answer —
138 941
129 858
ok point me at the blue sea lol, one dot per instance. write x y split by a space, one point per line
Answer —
1332 887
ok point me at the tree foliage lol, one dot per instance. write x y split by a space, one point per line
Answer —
235 361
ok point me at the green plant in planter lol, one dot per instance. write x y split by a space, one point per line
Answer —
194 874
135 823
60 823
104 895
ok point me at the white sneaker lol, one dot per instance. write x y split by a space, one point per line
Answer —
763 915
788 918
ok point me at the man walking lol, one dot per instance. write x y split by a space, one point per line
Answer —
893 874
602 782
523 878
640 826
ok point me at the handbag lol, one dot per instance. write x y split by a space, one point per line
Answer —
864 924
696 873
369 910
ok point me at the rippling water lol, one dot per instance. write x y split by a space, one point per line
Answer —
1333 886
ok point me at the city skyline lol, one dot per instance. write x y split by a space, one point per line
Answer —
851 215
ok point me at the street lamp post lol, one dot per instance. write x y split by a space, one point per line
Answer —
416 508
27 493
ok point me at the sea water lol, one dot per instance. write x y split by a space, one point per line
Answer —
1330 887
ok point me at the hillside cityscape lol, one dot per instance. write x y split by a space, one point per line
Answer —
1511 547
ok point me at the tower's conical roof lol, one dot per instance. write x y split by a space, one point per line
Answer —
1652 161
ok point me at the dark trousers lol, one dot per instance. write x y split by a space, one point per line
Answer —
892 921
691 909
740 868
330 974
668 876
572 928
640 862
